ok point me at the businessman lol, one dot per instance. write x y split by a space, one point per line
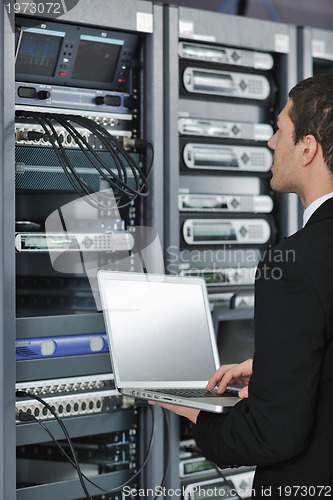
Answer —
284 421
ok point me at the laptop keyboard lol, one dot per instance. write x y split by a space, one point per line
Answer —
196 393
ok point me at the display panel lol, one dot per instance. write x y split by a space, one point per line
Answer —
59 54
96 59
38 51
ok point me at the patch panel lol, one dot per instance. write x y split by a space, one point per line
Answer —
68 384
71 396
29 133
72 405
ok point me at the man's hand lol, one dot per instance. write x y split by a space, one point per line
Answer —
183 411
232 374
224 376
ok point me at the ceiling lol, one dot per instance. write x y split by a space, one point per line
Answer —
315 13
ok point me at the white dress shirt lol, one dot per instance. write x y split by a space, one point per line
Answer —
314 205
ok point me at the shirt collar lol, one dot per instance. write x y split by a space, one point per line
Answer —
314 205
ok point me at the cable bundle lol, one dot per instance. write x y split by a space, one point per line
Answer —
116 176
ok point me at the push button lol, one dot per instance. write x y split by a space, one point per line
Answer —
27 92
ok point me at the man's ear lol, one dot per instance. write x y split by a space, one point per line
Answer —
309 149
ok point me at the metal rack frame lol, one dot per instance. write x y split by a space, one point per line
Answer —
7 266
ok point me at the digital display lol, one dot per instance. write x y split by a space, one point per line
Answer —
97 59
206 53
212 277
218 231
38 52
193 467
206 81
215 278
66 55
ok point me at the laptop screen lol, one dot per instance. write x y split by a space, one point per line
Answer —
159 329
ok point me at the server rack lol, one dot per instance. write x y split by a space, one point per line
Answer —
211 61
207 157
132 17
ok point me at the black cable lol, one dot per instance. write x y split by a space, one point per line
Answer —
149 169
125 483
167 455
62 220
223 476
67 166
102 132
107 144
64 429
107 138
242 8
80 140
150 146
61 157
121 158
84 186
77 138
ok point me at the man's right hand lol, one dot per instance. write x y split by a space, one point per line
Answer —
232 374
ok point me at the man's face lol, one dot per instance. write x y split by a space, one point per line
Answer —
285 176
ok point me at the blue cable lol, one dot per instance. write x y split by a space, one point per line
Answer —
224 5
271 9
233 6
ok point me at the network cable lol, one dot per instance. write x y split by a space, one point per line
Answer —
64 429
228 6
225 479
272 11
116 175
166 458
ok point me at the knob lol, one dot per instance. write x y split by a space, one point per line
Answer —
99 99
109 100
44 94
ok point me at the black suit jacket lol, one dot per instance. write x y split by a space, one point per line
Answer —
285 427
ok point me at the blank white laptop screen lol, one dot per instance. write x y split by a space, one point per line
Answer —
160 332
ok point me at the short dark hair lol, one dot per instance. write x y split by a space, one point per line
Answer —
312 112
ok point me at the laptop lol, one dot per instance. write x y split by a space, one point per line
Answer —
161 338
